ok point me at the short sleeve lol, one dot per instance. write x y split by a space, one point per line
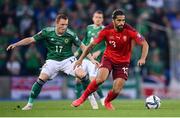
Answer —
76 41
40 35
137 37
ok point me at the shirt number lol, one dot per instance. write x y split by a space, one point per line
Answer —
59 48
125 70
113 43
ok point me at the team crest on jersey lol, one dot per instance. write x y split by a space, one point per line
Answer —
125 38
66 41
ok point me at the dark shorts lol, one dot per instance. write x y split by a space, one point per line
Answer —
118 70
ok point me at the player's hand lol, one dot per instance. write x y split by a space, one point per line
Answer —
77 64
12 46
141 62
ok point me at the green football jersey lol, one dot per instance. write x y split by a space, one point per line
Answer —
92 32
59 47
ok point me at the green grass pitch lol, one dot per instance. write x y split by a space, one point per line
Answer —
124 108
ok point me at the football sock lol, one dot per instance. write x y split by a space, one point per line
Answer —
78 87
99 92
111 96
85 82
93 86
35 90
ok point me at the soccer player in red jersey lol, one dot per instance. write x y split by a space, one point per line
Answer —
118 36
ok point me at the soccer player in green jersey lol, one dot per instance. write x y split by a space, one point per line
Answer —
97 52
59 41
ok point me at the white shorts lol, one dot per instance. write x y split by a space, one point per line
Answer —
89 68
52 67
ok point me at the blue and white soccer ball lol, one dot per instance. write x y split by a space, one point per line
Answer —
153 102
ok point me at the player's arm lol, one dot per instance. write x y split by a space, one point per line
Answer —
89 55
77 53
81 46
25 41
144 53
101 48
89 48
97 40
86 51
79 50
145 47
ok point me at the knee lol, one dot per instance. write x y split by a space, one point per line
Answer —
41 82
80 73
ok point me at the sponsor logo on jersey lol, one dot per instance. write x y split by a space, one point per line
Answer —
117 37
66 41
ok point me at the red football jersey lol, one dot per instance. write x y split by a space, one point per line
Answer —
118 48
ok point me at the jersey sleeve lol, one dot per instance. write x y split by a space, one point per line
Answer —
137 37
100 37
76 41
40 35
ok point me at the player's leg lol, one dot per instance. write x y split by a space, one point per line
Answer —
83 77
35 90
92 72
48 72
92 87
80 73
67 67
99 92
104 70
112 94
78 88
120 75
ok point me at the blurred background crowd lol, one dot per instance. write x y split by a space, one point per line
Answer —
157 20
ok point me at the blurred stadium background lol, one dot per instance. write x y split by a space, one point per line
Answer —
157 20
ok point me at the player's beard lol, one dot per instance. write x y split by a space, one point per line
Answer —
119 28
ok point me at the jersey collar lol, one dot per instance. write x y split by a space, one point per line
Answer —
96 27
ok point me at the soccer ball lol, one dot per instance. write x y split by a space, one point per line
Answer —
153 102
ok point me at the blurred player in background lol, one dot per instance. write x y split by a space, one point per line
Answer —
97 52
59 41
118 36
